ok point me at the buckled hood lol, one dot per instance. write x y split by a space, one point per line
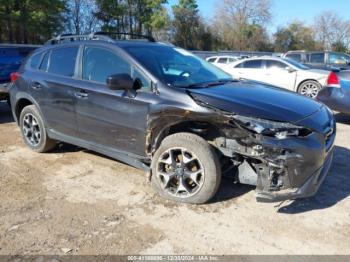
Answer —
257 100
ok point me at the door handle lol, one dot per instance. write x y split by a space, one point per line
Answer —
36 85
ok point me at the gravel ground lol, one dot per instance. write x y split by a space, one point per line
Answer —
78 202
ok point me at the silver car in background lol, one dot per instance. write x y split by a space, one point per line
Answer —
280 72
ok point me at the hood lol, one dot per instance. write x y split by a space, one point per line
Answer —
257 100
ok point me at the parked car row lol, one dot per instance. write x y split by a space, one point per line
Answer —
321 60
182 120
280 72
11 57
328 86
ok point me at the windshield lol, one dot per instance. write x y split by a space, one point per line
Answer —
176 67
296 64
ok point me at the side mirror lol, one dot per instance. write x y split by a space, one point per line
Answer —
120 82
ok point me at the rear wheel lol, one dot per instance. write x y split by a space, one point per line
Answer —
186 168
33 130
309 88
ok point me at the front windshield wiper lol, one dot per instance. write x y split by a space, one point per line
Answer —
209 84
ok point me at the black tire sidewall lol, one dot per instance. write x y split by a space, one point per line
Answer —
207 156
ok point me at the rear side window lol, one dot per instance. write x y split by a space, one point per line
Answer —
222 60
62 61
317 58
35 61
251 64
295 57
212 60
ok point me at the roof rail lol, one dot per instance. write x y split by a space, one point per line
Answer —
104 36
63 38
132 36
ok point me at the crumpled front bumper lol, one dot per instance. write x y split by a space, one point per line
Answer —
308 189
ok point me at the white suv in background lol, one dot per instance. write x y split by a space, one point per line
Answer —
280 72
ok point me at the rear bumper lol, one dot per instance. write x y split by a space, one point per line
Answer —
335 98
308 189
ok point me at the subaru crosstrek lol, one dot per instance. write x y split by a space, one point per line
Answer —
186 123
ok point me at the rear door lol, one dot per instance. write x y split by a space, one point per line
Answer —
52 85
250 69
111 118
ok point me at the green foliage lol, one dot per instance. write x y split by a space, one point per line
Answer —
237 24
296 36
190 31
339 46
133 16
30 21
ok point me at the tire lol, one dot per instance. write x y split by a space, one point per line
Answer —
309 88
188 158
33 130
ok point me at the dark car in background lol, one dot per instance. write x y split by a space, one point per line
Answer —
321 59
336 94
11 57
162 109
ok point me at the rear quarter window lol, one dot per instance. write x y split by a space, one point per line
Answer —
45 62
35 60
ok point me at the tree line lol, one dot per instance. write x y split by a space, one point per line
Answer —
236 24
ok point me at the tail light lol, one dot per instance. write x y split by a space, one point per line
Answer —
14 76
333 80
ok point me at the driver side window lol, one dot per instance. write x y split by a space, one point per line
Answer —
100 63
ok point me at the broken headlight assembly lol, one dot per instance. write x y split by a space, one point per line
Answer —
279 130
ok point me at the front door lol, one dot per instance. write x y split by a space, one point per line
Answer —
112 118
279 74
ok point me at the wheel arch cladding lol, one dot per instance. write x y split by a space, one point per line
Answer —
21 103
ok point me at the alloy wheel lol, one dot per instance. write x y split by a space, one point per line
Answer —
31 130
180 172
309 89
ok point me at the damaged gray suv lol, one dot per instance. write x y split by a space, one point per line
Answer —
160 108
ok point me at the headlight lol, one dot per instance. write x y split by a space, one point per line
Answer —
264 127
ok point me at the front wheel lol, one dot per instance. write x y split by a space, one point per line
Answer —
309 89
185 168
